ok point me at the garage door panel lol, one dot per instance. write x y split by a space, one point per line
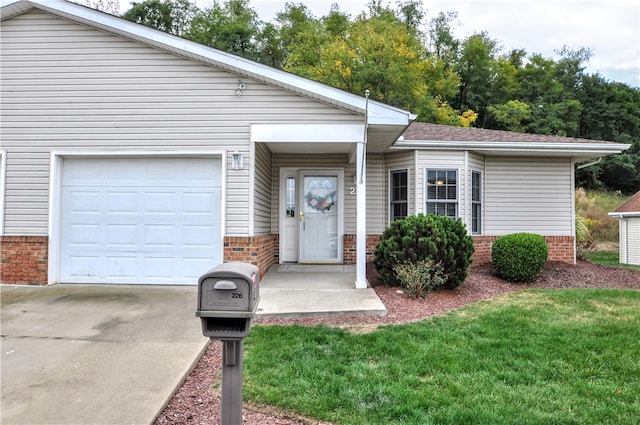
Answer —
121 236
161 203
122 269
84 267
128 223
192 268
84 239
199 236
84 201
194 203
161 236
161 267
120 202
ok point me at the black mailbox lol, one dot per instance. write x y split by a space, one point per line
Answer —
228 297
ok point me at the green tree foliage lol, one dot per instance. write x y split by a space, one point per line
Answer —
611 111
172 16
414 61
510 116
440 41
475 66
232 26
376 53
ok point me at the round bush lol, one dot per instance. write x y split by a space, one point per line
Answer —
519 257
438 239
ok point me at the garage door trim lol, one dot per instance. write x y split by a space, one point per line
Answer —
55 191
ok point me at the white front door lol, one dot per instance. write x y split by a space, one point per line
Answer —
320 216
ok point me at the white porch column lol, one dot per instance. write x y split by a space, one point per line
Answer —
361 218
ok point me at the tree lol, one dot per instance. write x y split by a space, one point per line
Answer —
232 26
109 6
510 116
476 68
440 41
611 111
171 16
554 109
378 54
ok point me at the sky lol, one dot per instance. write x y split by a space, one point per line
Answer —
610 28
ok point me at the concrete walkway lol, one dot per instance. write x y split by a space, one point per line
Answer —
115 354
299 290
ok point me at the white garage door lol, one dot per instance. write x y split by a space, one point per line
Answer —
140 220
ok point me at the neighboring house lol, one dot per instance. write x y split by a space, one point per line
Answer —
629 218
132 156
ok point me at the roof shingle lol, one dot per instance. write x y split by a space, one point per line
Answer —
632 205
419 131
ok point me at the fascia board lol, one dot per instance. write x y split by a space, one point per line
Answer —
508 147
624 214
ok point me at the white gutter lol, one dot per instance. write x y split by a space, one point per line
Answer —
604 148
624 214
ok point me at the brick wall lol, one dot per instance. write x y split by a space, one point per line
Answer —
349 247
23 260
560 248
261 251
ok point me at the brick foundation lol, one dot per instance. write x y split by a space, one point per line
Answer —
261 251
561 248
350 250
23 260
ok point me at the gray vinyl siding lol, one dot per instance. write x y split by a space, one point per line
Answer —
315 161
630 240
400 161
622 229
528 195
262 190
476 163
376 194
70 87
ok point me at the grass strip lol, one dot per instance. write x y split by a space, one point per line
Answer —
531 357
609 258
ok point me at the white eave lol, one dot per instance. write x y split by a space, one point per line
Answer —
624 214
379 113
576 150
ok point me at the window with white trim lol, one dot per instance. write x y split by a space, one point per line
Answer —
398 194
442 192
476 202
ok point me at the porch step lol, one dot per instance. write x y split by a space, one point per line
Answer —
296 291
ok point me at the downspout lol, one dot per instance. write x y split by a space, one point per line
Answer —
597 161
361 206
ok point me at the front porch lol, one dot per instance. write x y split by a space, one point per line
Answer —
303 290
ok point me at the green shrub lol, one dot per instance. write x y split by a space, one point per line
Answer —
419 278
519 257
439 239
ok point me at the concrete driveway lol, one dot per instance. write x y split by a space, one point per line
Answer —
89 354
114 354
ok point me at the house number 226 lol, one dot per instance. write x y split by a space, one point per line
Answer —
236 295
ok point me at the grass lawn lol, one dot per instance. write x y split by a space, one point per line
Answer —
531 357
609 258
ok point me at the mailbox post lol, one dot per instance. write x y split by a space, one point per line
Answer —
228 297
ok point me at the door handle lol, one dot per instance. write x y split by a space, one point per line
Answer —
301 216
